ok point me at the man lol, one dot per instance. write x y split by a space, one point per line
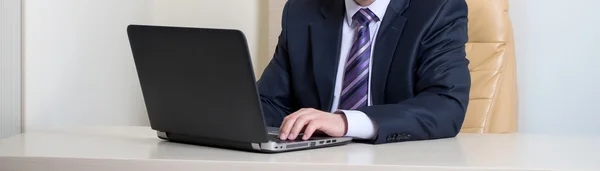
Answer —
377 70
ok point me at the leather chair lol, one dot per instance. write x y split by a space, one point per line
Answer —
493 102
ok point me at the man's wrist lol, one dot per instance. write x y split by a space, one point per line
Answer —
358 124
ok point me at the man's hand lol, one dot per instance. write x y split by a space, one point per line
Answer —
334 125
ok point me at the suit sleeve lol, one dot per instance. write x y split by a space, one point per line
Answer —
443 84
274 85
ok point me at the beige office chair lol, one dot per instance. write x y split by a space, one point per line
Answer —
493 101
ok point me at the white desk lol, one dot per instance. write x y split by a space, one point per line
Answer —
137 148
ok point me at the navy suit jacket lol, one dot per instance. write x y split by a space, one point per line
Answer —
420 78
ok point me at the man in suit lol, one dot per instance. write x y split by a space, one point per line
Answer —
377 70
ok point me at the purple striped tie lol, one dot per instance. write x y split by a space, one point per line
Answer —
356 74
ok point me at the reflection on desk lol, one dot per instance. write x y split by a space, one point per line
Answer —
116 146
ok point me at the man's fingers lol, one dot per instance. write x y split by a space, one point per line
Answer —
283 135
312 127
285 125
300 123
288 123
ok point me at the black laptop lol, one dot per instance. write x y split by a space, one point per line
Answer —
199 88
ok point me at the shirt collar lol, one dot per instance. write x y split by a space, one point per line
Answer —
379 7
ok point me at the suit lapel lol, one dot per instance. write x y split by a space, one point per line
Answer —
385 47
325 41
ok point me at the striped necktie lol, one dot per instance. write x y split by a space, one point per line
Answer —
356 73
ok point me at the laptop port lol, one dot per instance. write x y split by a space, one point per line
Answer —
321 142
328 141
333 140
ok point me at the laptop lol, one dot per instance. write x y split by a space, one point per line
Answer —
199 88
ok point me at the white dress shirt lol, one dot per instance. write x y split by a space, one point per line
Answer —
359 124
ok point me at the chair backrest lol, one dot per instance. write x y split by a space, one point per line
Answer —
493 102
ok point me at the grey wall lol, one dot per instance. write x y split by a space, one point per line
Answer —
558 65
10 68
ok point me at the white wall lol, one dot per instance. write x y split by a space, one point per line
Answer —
558 65
78 65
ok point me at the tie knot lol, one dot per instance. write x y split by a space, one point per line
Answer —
365 16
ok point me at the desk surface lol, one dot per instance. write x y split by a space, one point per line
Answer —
137 148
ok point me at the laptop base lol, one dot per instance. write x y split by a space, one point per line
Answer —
266 147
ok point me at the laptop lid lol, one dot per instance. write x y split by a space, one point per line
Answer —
198 82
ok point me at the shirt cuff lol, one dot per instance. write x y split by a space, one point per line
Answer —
360 125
